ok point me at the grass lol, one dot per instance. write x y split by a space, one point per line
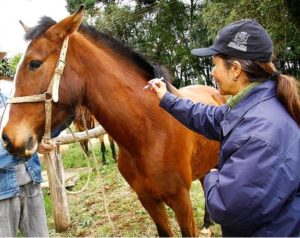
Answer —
129 218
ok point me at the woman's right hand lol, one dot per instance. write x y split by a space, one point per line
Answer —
158 86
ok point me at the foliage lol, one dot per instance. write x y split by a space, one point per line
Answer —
166 30
162 30
8 66
293 7
272 14
5 69
73 5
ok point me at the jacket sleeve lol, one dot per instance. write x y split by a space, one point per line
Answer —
251 187
201 118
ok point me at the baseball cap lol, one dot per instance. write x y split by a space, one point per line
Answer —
245 39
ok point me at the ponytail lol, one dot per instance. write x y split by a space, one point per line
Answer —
288 94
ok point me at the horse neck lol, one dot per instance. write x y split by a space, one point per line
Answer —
113 91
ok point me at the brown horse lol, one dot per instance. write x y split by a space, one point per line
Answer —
158 156
85 120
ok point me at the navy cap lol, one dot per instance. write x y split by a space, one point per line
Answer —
245 39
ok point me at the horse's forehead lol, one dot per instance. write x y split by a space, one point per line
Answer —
39 49
41 45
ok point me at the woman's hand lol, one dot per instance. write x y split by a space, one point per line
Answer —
158 86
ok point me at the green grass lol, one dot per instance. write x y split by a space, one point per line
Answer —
129 218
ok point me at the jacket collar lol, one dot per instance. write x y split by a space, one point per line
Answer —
257 95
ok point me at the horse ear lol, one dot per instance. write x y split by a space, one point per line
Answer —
68 25
26 28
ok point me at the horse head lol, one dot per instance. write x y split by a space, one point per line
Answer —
40 80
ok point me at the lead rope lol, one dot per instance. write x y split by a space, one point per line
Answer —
89 173
61 184
99 176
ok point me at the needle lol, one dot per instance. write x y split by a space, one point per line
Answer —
151 82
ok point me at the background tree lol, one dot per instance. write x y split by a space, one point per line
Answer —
272 14
166 30
8 66
162 30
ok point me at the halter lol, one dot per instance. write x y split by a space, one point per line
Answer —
51 94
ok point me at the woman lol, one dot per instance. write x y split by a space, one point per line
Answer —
256 189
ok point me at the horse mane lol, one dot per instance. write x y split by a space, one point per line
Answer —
37 31
151 69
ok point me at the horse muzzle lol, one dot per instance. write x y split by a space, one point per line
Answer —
22 148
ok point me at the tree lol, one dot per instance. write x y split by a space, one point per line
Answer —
8 66
272 14
166 30
162 30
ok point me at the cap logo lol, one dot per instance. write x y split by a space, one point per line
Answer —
240 41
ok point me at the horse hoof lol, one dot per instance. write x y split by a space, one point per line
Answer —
206 232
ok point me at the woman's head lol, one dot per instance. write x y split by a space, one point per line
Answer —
233 74
255 71
242 54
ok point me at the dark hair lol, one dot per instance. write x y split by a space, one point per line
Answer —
287 86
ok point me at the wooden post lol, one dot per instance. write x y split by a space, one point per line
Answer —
57 193
55 171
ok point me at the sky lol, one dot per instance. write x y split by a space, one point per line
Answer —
28 11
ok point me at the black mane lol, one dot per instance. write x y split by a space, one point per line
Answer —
43 25
148 67
152 70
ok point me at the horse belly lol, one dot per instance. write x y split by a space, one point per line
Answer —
205 156
155 177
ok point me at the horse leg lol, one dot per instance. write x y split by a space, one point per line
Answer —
154 206
182 207
103 148
112 147
207 222
158 213
84 146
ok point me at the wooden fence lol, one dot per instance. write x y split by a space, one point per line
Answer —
53 162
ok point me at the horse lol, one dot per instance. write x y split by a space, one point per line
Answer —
158 156
85 120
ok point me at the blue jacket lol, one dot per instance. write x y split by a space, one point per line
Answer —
256 191
9 186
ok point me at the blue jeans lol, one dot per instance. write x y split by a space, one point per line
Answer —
25 212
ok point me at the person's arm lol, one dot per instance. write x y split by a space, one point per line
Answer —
251 187
201 118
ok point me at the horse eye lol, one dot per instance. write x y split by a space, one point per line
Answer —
35 64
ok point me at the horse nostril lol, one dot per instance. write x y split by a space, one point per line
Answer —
6 141
30 143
